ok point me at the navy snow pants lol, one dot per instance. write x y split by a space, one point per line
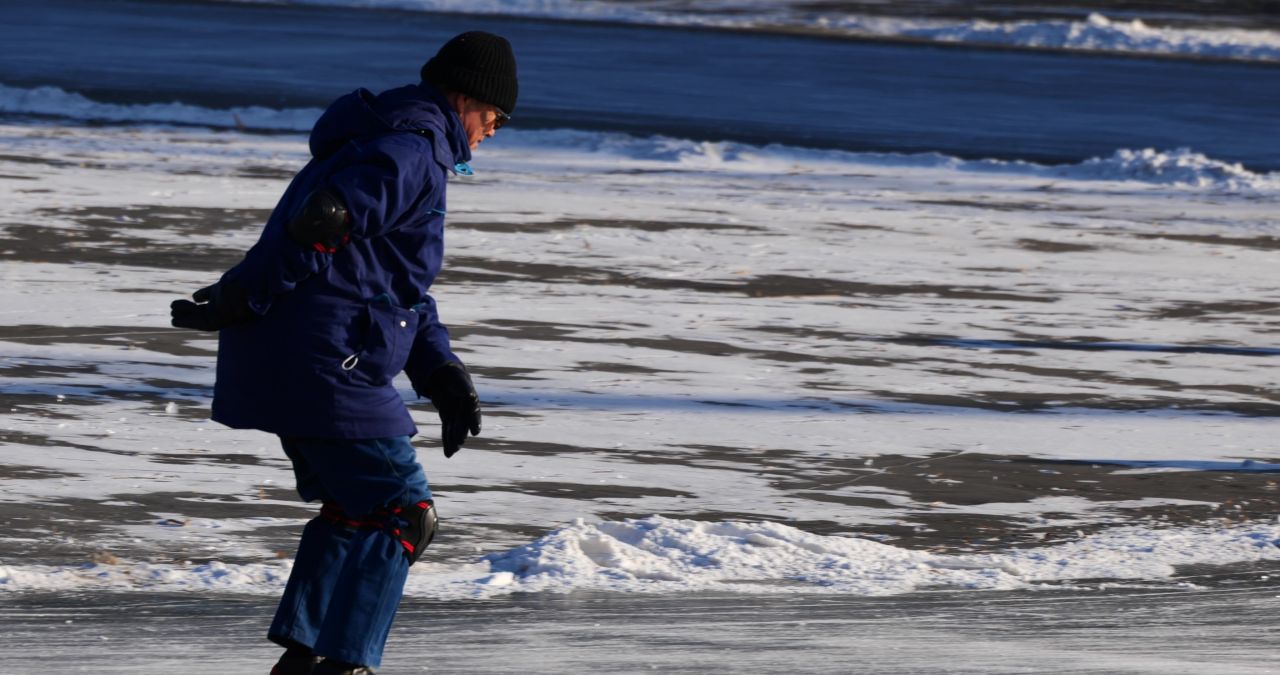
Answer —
347 581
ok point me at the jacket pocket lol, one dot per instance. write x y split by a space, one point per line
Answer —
384 347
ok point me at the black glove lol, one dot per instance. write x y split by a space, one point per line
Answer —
219 306
451 392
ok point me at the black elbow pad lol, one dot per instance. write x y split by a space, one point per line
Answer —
322 223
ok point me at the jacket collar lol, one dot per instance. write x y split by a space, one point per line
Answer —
455 134
421 108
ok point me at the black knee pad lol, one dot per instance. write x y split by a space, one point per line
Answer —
414 526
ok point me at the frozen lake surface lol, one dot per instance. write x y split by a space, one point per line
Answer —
852 95
748 409
885 410
1140 631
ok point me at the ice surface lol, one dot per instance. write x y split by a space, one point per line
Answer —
722 334
1094 32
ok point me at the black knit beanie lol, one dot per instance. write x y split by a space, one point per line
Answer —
478 64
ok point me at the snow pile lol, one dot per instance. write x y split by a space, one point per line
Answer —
1181 168
665 555
1095 32
1178 167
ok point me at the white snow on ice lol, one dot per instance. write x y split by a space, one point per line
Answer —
1181 167
658 554
1095 33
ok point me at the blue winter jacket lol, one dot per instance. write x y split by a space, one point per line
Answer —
335 328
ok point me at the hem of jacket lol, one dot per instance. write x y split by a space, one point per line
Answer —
331 429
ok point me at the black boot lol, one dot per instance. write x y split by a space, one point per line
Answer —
296 662
334 667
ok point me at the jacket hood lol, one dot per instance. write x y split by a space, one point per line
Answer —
417 107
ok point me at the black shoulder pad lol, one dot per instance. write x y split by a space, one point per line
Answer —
322 223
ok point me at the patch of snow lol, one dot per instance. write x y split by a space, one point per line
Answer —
667 555
1095 33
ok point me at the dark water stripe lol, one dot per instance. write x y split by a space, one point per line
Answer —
701 84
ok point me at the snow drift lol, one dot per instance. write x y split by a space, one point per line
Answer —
667 555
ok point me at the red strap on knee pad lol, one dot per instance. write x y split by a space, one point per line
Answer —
405 524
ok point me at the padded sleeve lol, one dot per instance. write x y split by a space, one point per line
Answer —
379 182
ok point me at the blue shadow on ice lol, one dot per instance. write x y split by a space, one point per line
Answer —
639 404
643 404
967 343
1247 465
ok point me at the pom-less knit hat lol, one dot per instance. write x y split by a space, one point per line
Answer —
478 64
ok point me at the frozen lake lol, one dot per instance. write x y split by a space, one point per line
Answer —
833 377
747 409
716 85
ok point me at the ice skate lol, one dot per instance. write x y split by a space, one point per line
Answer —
331 667
296 664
